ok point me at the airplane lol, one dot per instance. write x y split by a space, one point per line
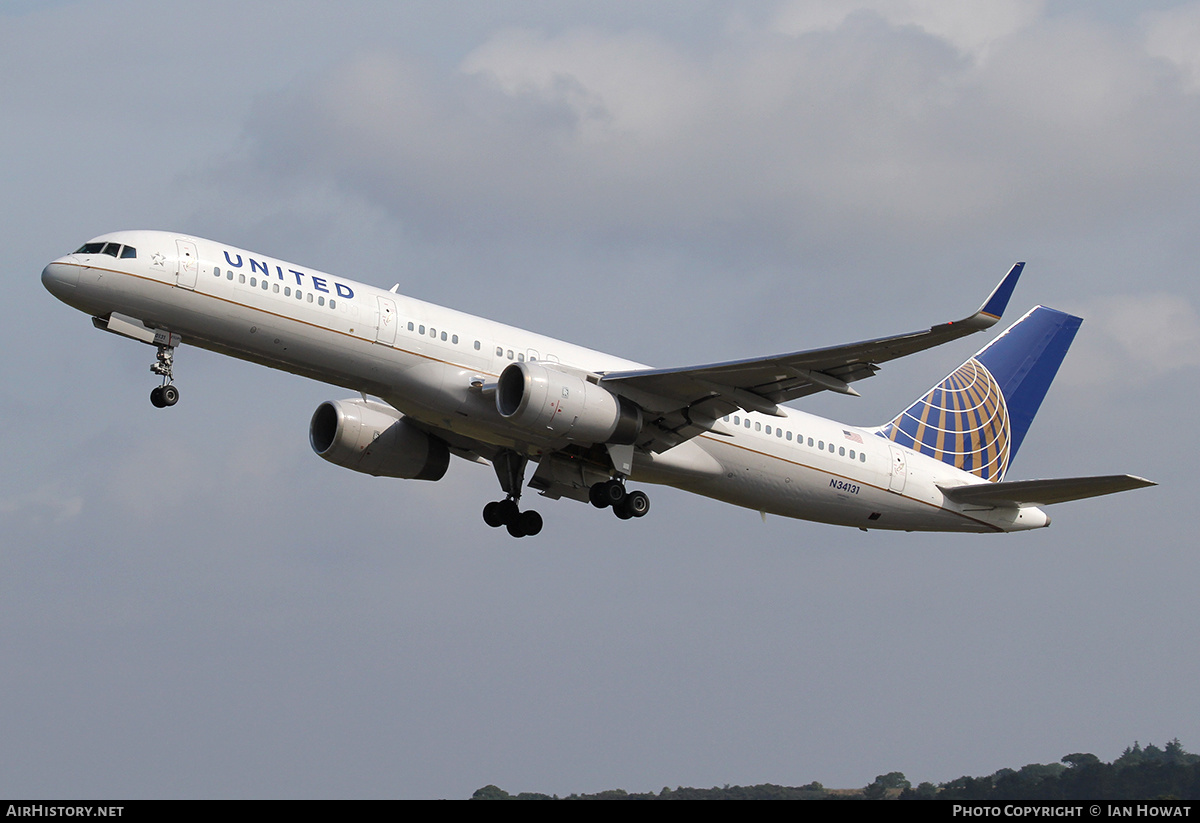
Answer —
449 383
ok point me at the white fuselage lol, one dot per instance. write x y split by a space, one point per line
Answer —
429 362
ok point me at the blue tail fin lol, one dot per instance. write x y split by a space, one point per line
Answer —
977 417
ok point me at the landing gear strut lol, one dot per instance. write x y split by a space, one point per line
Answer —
166 394
625 504
510 469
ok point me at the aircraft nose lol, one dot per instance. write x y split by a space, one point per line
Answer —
60 278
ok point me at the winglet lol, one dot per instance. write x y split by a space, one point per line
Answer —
994 306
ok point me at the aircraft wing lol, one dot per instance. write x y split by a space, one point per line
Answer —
1014 493
681 403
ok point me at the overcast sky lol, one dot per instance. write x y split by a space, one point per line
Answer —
192 604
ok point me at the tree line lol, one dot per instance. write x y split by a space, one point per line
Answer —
1140 773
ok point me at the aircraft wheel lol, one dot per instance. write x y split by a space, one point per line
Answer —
622 511
596 495
530 523
508 512
156 398
492 515
637 503
169 395
612 492
515 529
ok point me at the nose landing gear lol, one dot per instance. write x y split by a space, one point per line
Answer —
166 394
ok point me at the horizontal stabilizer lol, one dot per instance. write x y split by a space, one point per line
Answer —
1016 493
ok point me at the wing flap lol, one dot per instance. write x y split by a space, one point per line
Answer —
1016 493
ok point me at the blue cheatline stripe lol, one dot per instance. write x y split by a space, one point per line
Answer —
978 416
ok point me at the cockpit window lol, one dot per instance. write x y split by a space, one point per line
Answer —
111 249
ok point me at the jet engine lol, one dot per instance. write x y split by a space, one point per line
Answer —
554 403
373 438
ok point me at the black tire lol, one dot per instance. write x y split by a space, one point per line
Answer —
530 523
515 530
170 395
614 493
638 503
509 513
492 515
156 398
622 510
597 497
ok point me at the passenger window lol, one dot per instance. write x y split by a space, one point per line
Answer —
841 451
254 282
747 422
332 303
510 354
299 295
789 436
287 291
821 445
454 339
810 442
320 301
499 351
216 272
433 332
266 285
779 432
477 345
862 457
768 429
520 357
443 337
421 329
852 454
229 274
310 297
241 278
275 288
758 427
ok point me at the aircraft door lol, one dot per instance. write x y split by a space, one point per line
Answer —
189 264
385 330
899 469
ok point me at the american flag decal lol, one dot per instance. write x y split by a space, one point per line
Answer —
852 436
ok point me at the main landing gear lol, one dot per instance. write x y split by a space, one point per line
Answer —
510 469
507 513
166 394
625 504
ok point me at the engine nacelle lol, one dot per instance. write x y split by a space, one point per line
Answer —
552 403
374 438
